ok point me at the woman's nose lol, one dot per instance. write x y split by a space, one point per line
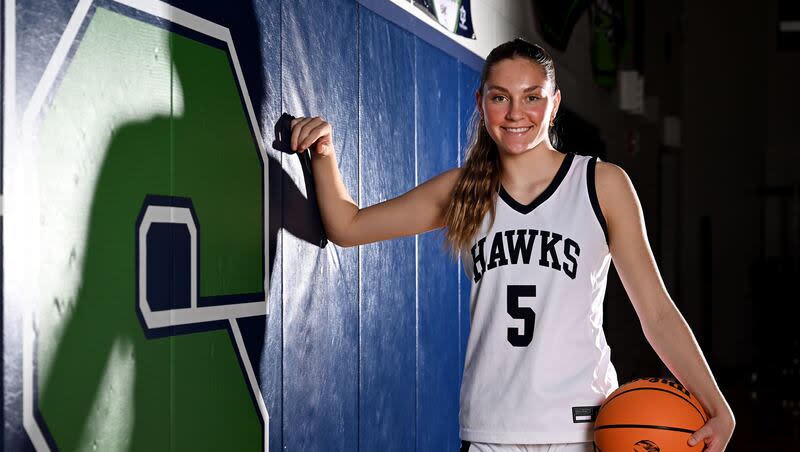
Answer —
514 111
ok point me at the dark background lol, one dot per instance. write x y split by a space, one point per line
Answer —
723 207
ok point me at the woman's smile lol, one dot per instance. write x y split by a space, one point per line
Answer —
516 131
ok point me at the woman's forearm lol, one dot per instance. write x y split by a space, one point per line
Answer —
419 210
673 341
336 206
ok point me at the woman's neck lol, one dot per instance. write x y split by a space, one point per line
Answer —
530 168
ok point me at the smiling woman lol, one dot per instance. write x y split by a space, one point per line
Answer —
536 229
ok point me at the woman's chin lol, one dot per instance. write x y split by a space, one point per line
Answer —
516 149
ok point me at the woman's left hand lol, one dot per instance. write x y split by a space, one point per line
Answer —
716 433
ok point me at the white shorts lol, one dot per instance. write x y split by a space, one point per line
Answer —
467 446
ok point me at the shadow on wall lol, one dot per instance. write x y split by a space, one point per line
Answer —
107 379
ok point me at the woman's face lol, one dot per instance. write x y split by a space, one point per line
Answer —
517 104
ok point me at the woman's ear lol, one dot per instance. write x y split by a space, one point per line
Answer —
556 103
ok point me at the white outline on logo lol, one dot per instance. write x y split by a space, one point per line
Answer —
192 314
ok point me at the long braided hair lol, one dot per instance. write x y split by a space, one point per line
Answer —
477 186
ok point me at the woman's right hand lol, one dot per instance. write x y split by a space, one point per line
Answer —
312 133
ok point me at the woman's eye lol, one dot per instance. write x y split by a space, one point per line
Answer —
498 98
533 98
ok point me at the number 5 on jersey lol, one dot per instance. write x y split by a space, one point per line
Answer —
516 338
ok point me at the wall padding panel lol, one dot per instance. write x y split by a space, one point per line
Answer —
388 374
437 300
320 349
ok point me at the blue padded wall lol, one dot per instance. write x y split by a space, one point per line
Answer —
438 302
363 348
388 284
320 349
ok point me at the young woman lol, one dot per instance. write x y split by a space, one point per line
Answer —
536 229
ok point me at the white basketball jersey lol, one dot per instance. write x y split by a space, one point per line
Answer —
537 365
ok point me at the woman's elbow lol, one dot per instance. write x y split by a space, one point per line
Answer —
343 240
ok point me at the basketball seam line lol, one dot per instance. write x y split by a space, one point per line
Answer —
659 427
662 390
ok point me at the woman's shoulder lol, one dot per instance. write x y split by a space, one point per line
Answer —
613 186
446 180
605 173
609 172
452 174
439 187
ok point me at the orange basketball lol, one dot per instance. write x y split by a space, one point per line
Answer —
648 415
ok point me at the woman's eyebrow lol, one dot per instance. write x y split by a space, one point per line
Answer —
500 88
